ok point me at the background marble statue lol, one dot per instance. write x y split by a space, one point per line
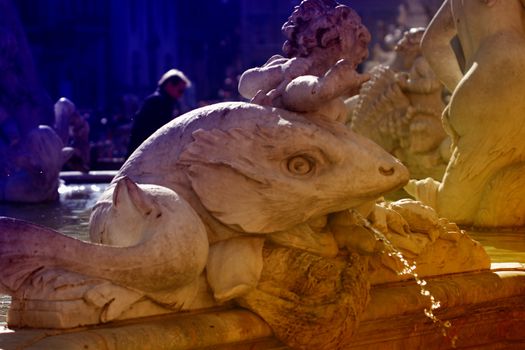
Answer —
30 168
73 130
400 108
483 183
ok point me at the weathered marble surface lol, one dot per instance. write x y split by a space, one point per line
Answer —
486 310
483 183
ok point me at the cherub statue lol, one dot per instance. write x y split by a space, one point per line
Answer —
325 43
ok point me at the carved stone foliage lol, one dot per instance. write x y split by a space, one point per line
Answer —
400 109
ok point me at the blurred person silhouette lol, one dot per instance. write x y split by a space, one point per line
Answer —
159 108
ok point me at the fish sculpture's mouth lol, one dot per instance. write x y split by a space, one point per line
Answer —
395 187
323 234
387 177
373 195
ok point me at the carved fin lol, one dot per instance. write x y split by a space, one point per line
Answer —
127 196
221 148
234 267
380 112
26 248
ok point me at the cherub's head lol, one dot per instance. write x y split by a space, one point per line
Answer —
325 24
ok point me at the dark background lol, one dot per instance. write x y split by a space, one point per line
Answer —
107 55
96 51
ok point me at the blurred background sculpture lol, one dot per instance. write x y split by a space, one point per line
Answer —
483 183
30 168
410 14
73 130
31 155
400 109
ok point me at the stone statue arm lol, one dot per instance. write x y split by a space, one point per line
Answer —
271 75
436 47
309 93
259 79
420 79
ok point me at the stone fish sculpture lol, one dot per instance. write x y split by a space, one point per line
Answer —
241 203
268 190
243 230
219 227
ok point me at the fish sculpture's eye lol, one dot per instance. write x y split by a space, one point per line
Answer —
300 165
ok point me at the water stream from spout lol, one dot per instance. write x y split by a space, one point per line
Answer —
410 269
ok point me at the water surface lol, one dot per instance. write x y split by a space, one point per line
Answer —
502 246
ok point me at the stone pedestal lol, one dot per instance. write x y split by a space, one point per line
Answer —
486 309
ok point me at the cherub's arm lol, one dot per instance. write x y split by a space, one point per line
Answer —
273 75
309 93
263 78
436 47
420 78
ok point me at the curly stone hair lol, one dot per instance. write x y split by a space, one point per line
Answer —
318 23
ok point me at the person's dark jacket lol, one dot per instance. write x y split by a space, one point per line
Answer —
157 110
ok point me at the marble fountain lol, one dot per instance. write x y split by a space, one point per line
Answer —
263 225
